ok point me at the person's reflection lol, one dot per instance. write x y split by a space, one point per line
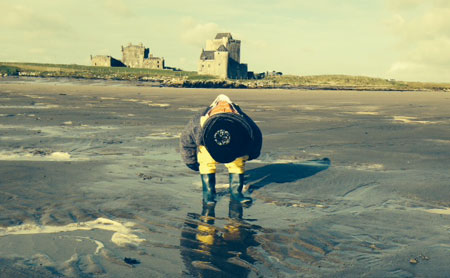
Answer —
210 251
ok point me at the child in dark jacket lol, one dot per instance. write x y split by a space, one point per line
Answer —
222 133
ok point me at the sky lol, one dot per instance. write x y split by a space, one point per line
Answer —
395 39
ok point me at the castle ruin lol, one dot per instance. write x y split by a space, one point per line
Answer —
105 61
133 56
137 56
221 58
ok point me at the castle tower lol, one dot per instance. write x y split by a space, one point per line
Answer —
225 39
133 55
221 58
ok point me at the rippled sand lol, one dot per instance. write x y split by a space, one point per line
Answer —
349 184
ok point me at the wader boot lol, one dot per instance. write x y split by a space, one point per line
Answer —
208 213
236 185
209 188
235 210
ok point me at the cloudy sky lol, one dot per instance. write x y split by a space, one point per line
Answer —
400 39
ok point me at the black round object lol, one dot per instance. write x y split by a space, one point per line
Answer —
226 136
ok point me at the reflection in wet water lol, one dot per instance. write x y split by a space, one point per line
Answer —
212 251
211 248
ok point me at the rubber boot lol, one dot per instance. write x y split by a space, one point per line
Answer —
209 188
236 185
208 213
235 210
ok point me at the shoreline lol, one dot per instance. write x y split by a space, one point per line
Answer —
184 82
209 84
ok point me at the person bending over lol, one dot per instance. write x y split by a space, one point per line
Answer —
222 133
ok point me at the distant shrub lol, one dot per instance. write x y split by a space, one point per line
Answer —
8 70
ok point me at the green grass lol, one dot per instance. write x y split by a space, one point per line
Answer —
192 79
79 71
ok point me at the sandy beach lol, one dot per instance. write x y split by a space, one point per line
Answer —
348 184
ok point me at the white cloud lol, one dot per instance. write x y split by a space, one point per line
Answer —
423 37
26 19
412 71
196 34
434 52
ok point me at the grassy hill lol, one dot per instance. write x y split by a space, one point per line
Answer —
192 79
90 72
342 82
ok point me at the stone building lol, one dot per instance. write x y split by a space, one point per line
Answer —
221 58
137 56
105 61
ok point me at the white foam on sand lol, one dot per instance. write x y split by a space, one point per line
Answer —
193 109
445 211
371 113
147 102
367 167
132 100
59 156
411 120
306 107
160 136
97 127
35 106
34 96
439 141
108 98
123 232
35 156
11 138
159 104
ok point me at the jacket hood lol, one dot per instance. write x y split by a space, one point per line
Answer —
221 98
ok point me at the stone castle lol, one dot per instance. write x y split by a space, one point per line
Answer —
133 56
137 56
221 58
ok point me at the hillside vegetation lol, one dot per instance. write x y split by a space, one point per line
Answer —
90 72
192 79
341 82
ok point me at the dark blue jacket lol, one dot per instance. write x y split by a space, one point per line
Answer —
191 138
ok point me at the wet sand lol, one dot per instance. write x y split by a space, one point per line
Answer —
349 184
